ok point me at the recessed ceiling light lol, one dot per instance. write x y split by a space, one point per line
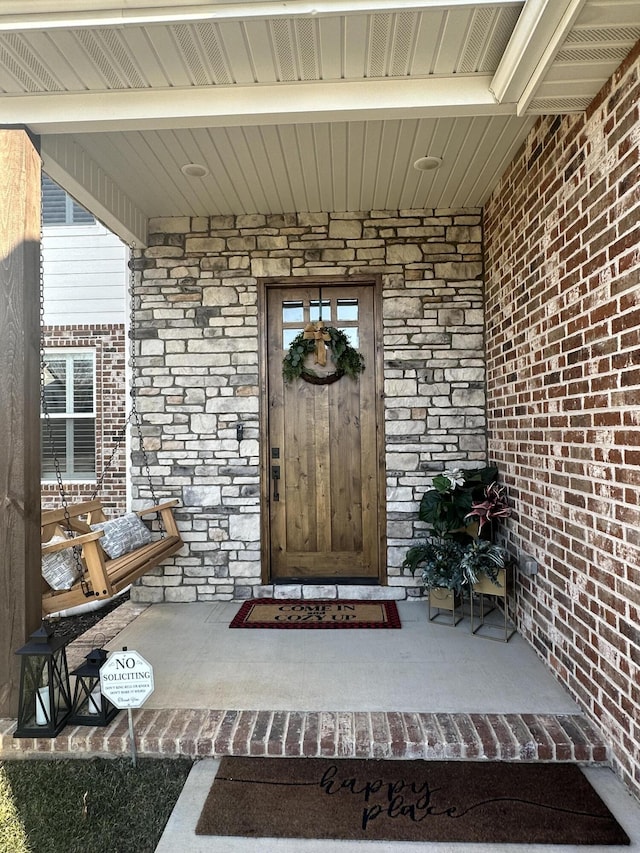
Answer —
427 164
194 170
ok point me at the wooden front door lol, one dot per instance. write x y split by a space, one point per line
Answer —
322 462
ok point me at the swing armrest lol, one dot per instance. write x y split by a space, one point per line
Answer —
165 510
157 508
92 556
72 543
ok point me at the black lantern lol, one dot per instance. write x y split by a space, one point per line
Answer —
90 707
45 697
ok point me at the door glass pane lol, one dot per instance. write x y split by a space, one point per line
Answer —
288 335
292 312
314 310
347 309
352 335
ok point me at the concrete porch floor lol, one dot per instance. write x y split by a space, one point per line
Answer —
426 691
422 667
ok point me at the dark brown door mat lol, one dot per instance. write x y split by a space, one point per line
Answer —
483 802
288 613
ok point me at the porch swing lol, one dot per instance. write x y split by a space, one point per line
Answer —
87 559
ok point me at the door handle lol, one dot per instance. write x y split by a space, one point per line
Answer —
275 476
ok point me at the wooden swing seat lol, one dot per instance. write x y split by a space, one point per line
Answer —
103 577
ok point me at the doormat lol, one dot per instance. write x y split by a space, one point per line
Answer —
290 613
457 801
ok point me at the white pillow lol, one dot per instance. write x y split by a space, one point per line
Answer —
123 534
60 569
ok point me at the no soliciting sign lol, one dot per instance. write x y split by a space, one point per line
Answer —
126 679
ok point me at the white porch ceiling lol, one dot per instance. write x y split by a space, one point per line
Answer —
299 106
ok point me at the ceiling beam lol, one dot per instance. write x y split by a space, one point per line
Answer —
537 36
238 106
46 14
546 60
70 166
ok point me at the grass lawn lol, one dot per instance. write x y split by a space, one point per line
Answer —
96 805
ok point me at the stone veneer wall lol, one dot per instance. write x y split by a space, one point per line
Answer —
198 365
563 351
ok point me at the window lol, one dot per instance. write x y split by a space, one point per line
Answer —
68 432
58 208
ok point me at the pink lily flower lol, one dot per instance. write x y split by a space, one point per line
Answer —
493 506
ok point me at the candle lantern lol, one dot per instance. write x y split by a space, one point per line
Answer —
90 707
45 697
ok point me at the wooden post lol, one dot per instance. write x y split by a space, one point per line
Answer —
20 584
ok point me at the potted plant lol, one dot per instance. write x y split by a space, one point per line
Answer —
489 561
439 562
483 565
445 507
492 506
448 564
455 556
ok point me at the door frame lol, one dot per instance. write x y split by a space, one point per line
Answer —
264 285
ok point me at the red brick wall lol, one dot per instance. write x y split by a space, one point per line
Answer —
108 342
563 347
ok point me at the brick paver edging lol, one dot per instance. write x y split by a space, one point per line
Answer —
203 733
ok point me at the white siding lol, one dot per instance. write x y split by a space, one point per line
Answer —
85 275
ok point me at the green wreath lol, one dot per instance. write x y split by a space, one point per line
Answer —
347 360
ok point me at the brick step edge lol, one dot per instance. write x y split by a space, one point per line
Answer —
334 734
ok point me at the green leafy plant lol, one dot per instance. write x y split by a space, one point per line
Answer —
482 557
447 505
347 360
446 563
452 556
439 562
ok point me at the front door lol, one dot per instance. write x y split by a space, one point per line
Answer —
323 467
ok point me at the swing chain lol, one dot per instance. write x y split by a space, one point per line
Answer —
43 397
49 426
45 408
134 414
116 448
122 435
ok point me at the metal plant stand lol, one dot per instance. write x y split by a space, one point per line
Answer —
445 606
502 599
